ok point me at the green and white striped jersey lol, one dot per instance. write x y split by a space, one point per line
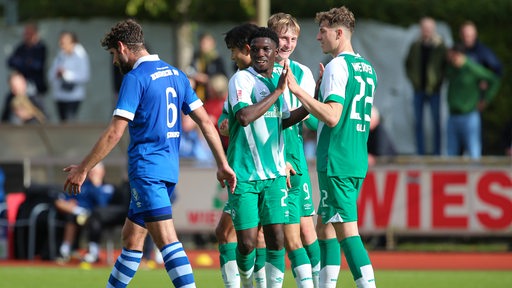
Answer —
255 152
294 145
350 80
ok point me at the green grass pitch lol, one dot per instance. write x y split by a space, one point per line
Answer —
54 277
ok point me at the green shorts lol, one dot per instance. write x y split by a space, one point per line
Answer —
300 202
262 201
338 198
227 207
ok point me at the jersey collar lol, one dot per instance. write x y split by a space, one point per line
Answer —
153 57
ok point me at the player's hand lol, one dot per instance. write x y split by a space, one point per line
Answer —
292 82
289 171
75 179
283 81
224 128
226 174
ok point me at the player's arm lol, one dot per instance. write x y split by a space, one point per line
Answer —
329 112
107 141
224 172
249 114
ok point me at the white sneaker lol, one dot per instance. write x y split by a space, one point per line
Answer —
90 258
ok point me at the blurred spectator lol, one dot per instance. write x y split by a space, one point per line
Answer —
425 65
217 94
193 145
477 51
205 64
29 58
106 217
68 76
483 55
77 208
379 143
18 107
466 101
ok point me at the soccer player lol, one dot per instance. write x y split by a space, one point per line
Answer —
152 96
303 259
343 109
257 113
237 40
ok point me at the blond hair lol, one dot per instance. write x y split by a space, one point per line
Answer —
282 22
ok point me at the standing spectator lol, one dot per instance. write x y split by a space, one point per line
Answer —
477 51
68 76
77 208
154 120
19 108
483 55
205 64
29 58
344 110
425 65
466 100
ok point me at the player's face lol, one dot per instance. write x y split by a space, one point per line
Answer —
287 43
242 58
263 55
328 38
120 61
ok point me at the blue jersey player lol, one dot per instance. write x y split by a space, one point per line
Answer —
152 97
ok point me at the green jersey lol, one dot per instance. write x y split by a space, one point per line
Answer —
255 152
342 150
294 145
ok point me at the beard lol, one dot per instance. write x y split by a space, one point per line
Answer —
124 68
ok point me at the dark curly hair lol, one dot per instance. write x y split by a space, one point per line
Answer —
265 32
128 32
239 35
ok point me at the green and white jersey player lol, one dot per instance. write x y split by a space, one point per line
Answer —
257 113
344 109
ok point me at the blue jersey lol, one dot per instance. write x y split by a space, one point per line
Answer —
152 96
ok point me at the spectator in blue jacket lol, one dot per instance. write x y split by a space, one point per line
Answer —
77 208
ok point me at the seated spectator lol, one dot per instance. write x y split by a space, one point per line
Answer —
193 145
19 107
103 217
77 208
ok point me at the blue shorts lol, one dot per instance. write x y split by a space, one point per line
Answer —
150 200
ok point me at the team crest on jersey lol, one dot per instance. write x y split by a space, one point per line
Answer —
239 94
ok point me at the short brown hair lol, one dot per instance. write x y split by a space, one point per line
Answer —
128 32
338 17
